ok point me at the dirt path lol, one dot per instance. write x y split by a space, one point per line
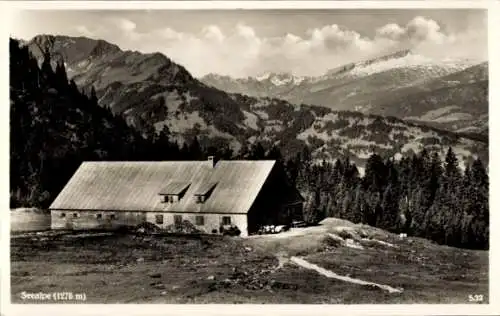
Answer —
329 274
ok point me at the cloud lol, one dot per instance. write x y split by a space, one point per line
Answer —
213 32
390 31
125 25
335 37
239 51
83 30
419 29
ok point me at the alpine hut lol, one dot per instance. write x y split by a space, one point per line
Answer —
208 194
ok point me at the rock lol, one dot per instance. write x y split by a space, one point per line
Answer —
248 249
163 292
211 277
141 259
363 234
159 286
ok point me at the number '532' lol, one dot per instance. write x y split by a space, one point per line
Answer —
476 298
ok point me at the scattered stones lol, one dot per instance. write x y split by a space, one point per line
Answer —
184 227
155 275
248 249
141 259
211 277
157 285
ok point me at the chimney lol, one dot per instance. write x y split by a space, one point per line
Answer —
212 161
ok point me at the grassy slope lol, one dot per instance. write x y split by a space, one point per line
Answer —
244 270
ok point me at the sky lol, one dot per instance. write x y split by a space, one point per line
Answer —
242 43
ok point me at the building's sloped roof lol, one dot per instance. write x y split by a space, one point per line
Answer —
135 186
174 188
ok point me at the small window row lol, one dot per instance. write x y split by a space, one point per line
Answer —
98 216
175 198
199 220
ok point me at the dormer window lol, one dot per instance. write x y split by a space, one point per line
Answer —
174 192
200 198
204 191
170 198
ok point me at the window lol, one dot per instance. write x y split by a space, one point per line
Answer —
200 220
226 220
200 199
159 219
112 216
178 220
169 199
99 216
75 215
63 214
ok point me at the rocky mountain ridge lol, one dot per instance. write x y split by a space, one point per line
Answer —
378 86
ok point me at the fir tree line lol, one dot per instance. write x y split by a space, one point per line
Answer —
419 195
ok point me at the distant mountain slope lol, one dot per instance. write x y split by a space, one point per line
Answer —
150 89
458 101
153 92
379 85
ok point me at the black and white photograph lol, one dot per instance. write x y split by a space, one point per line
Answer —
332 156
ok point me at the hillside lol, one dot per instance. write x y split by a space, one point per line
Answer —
152 92
379 85
54 128
458 101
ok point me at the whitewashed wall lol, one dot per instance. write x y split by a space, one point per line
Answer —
211 221
89 219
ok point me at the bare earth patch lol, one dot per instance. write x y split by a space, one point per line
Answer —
210 269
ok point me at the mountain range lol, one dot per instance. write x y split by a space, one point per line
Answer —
154 93
448 94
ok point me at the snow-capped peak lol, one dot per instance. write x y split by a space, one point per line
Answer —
401 59
280 79
263 77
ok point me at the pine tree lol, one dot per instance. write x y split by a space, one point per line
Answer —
61 76
46 68
375 174
451 169
479 202
93 96
357 210
275 154
194 150
257 152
